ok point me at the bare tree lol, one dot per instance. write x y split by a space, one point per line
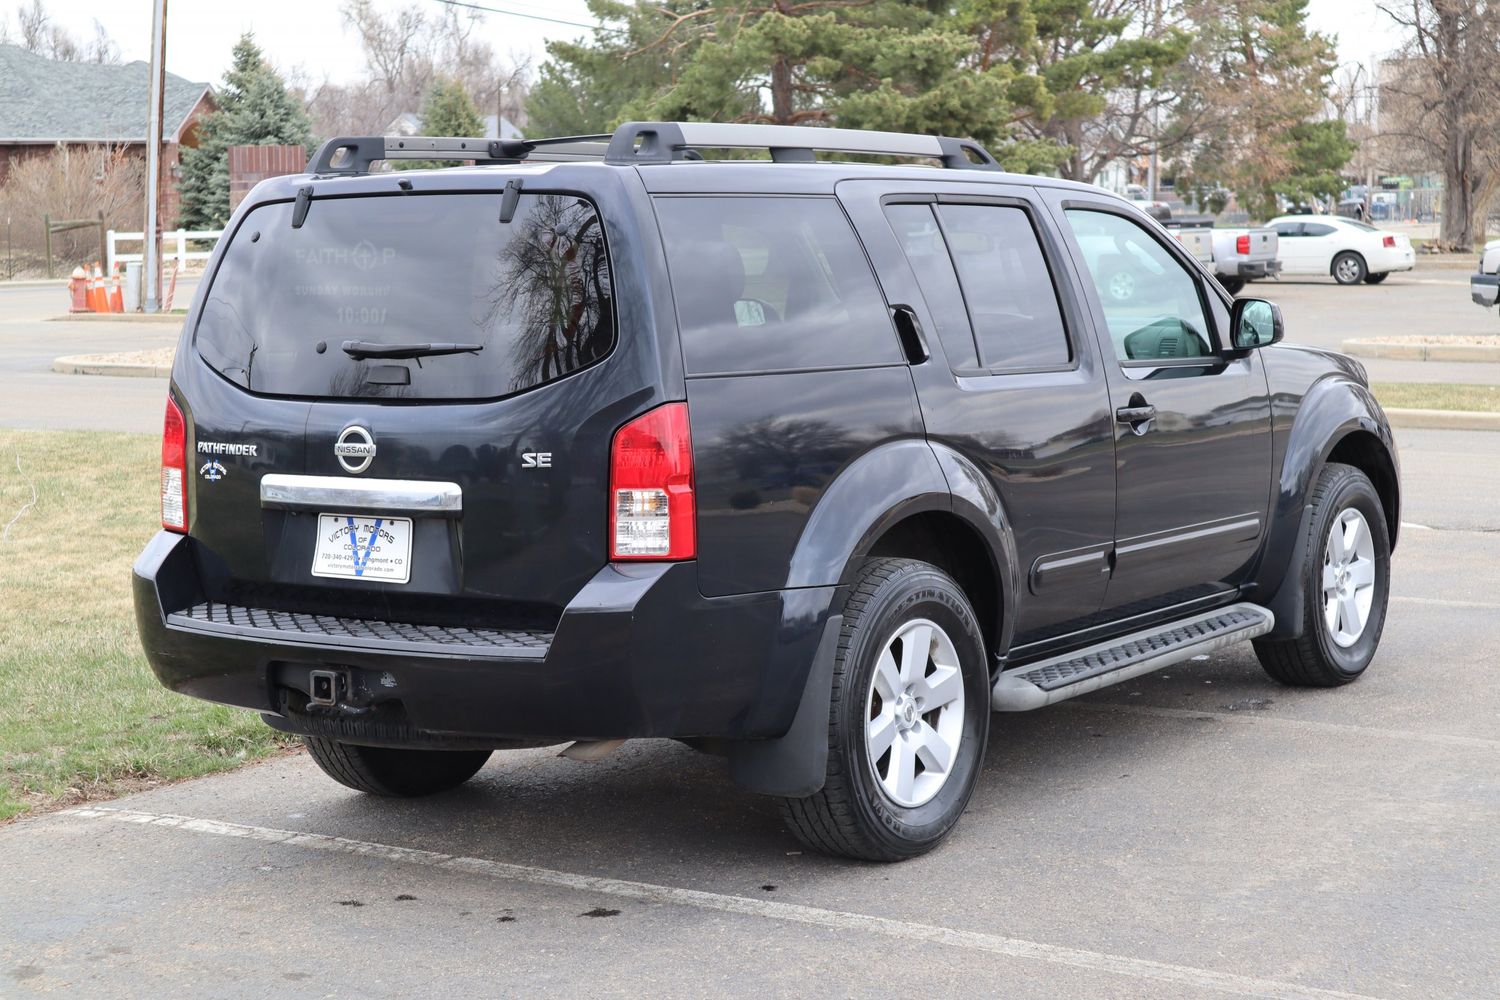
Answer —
405 52
1439 101
39 35
33 22
71 182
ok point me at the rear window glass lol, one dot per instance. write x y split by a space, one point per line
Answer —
311 311
770 284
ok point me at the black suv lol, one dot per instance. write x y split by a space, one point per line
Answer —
809 464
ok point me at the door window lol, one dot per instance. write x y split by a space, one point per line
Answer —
916 228
1152 304
981 269
1316 229
1288 230
1007 286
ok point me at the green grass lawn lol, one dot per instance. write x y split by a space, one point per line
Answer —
81 714
1437 396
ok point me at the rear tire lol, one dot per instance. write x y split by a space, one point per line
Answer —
1375 279
1232 285
1341 619
394 772
1349 268
907 725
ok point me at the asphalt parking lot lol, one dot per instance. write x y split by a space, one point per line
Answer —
1200 832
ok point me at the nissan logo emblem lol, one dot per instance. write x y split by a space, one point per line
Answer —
355 449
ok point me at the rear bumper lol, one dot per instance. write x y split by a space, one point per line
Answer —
1484 289
1253 269
639 652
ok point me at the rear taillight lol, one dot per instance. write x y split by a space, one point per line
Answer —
1389 241
652 513
174 470
1242 244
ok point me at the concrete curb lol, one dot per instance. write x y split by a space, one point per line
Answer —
76 365
89 317
1444 420
1422 352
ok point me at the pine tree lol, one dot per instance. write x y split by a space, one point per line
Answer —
254 109
879 64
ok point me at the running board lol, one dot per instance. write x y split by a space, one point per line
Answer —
1071 674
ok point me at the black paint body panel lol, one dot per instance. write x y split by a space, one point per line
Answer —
1086 529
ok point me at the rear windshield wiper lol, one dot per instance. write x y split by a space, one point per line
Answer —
361 349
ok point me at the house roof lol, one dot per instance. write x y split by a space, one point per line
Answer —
44 100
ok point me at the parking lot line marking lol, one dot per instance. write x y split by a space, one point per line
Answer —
1121 965
1443 602
1261 718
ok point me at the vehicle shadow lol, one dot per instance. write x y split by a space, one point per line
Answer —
656 809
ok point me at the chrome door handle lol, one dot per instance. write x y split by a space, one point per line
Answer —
1135 414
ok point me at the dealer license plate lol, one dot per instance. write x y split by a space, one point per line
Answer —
361 547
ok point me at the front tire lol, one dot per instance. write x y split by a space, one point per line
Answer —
394 772
908 718
1349 268
1345 586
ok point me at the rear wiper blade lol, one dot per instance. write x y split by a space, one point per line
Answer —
361 349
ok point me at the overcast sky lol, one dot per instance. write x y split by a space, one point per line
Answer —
309 35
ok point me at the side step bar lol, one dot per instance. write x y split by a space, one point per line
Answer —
1071 674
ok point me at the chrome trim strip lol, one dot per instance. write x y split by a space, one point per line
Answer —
334 495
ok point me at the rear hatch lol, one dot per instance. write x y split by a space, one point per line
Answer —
474 369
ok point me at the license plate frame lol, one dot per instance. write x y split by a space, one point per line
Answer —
369 547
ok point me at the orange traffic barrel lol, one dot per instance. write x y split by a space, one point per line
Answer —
98 297
116 295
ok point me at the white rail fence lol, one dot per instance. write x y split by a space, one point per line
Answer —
178 238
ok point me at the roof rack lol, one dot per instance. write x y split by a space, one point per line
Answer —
637 143
351 154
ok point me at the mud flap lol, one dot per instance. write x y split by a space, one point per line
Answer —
1286 604
794 765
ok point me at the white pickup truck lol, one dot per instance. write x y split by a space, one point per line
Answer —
1234 255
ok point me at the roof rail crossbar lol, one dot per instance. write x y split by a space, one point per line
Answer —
663 142
637 143
348 155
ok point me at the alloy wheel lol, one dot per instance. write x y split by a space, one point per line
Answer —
915 713
1349 577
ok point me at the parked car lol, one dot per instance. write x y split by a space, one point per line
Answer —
809 464
1484 287
1349 250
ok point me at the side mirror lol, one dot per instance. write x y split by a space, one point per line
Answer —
1255 323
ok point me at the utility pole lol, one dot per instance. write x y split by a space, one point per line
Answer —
151 248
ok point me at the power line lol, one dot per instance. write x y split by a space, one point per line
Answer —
516 13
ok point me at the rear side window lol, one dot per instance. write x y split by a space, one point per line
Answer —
771 284
307 311
1007 286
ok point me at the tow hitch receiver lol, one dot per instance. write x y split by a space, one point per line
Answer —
324 687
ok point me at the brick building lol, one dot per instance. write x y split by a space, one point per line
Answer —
45 103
